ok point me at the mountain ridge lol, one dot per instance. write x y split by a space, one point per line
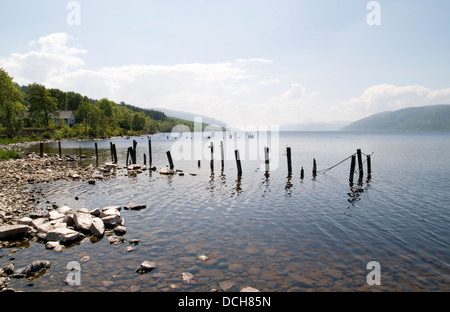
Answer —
421 118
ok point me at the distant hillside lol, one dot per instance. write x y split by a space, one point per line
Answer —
314 126
428 118
190 116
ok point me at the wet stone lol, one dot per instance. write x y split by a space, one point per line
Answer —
146 266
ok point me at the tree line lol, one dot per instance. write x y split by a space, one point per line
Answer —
34 107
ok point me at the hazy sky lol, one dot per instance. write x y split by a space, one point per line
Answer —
244 62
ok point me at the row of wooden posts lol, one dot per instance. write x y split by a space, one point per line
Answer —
131 155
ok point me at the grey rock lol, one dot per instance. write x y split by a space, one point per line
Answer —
146 266
9 269
120 230
249 289
83 220
116 240
97 227
112 221
54 215
132 206
11 231
65 210
36 267
96 212
187 277
64 235
25 221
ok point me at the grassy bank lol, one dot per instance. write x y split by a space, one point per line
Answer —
8 154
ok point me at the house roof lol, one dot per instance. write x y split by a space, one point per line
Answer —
65 115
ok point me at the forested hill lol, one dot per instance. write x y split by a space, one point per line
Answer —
424 118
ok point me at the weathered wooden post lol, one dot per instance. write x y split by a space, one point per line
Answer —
41 149
212 156
150 162
111 149
222 155
352 169
302 174
169 157
96 152
314 168
289 162
369 167
127 160
145 160
238 162
360 164
266 158
134 156
114 153
59 149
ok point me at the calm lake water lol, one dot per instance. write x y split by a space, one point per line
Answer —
272 232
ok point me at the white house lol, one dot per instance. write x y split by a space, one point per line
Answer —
67 116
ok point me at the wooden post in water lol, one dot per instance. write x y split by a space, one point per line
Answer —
314 168
369 167
222 155
111 149
145 160
352 169
59 149
238 162
127 159
212 157
302 174
289 161
150 162
199 163
114 153
169 157
134 152
41 149
360 164
96 152
266 158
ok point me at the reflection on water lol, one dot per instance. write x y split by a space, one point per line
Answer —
268 230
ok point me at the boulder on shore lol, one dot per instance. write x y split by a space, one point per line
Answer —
64 235
97 227
12 231
83 220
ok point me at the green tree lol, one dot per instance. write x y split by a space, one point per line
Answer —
138 122
11 108
61 98
84 114
41 103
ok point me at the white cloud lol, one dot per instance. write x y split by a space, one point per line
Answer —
238 92
50 56
387 97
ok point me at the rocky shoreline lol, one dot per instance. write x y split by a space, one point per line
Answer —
23 218
20 216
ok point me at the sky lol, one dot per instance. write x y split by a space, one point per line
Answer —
246 62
